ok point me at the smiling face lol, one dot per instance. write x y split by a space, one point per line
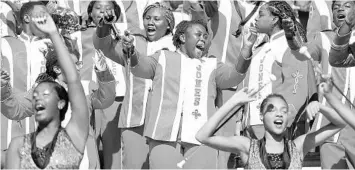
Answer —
99 9
45 102
274 115
195 41
155 24
36 10
340 10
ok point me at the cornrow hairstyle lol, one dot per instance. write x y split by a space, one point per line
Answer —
27 8
181 29
116 8
283 10
62 94
274 95
168 14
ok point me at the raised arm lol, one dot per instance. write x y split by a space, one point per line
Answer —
235 144
345 112
311 140
103 40
142 66
230 75
104 96
14 106
78 126
342 52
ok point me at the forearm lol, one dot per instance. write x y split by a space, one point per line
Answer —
111 48
339 55
211 125
64 60
227 76
343 111
143 66
244 59
103 31
105 95
332 116
15 107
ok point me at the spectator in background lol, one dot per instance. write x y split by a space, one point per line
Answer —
9 23
159 24
275 58
344 41
340 146
179 104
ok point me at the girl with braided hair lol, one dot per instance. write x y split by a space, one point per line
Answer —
159 23
274 151
276 58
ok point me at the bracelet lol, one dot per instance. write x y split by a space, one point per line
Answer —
339 47
341 36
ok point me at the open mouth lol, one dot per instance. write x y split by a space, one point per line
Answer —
278 122
341 17
151 30
39 107
201 46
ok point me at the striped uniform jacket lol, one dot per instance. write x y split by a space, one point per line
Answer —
320 17
129 20
7 20
292 77
342 77
133 110
183 92
24 59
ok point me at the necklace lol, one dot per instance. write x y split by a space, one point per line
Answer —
41 156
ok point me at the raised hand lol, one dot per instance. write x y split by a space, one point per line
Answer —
44 23
312 109
127 41
100 60
249 36
289 26
5 78
326 86
244 95
109 17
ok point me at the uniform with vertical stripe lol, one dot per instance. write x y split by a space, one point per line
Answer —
170 98
275 57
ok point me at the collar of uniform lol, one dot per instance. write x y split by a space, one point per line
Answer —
277 35
25 37
202 59
183 54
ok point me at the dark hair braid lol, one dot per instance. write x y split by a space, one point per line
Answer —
181 29
168 14
283 10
